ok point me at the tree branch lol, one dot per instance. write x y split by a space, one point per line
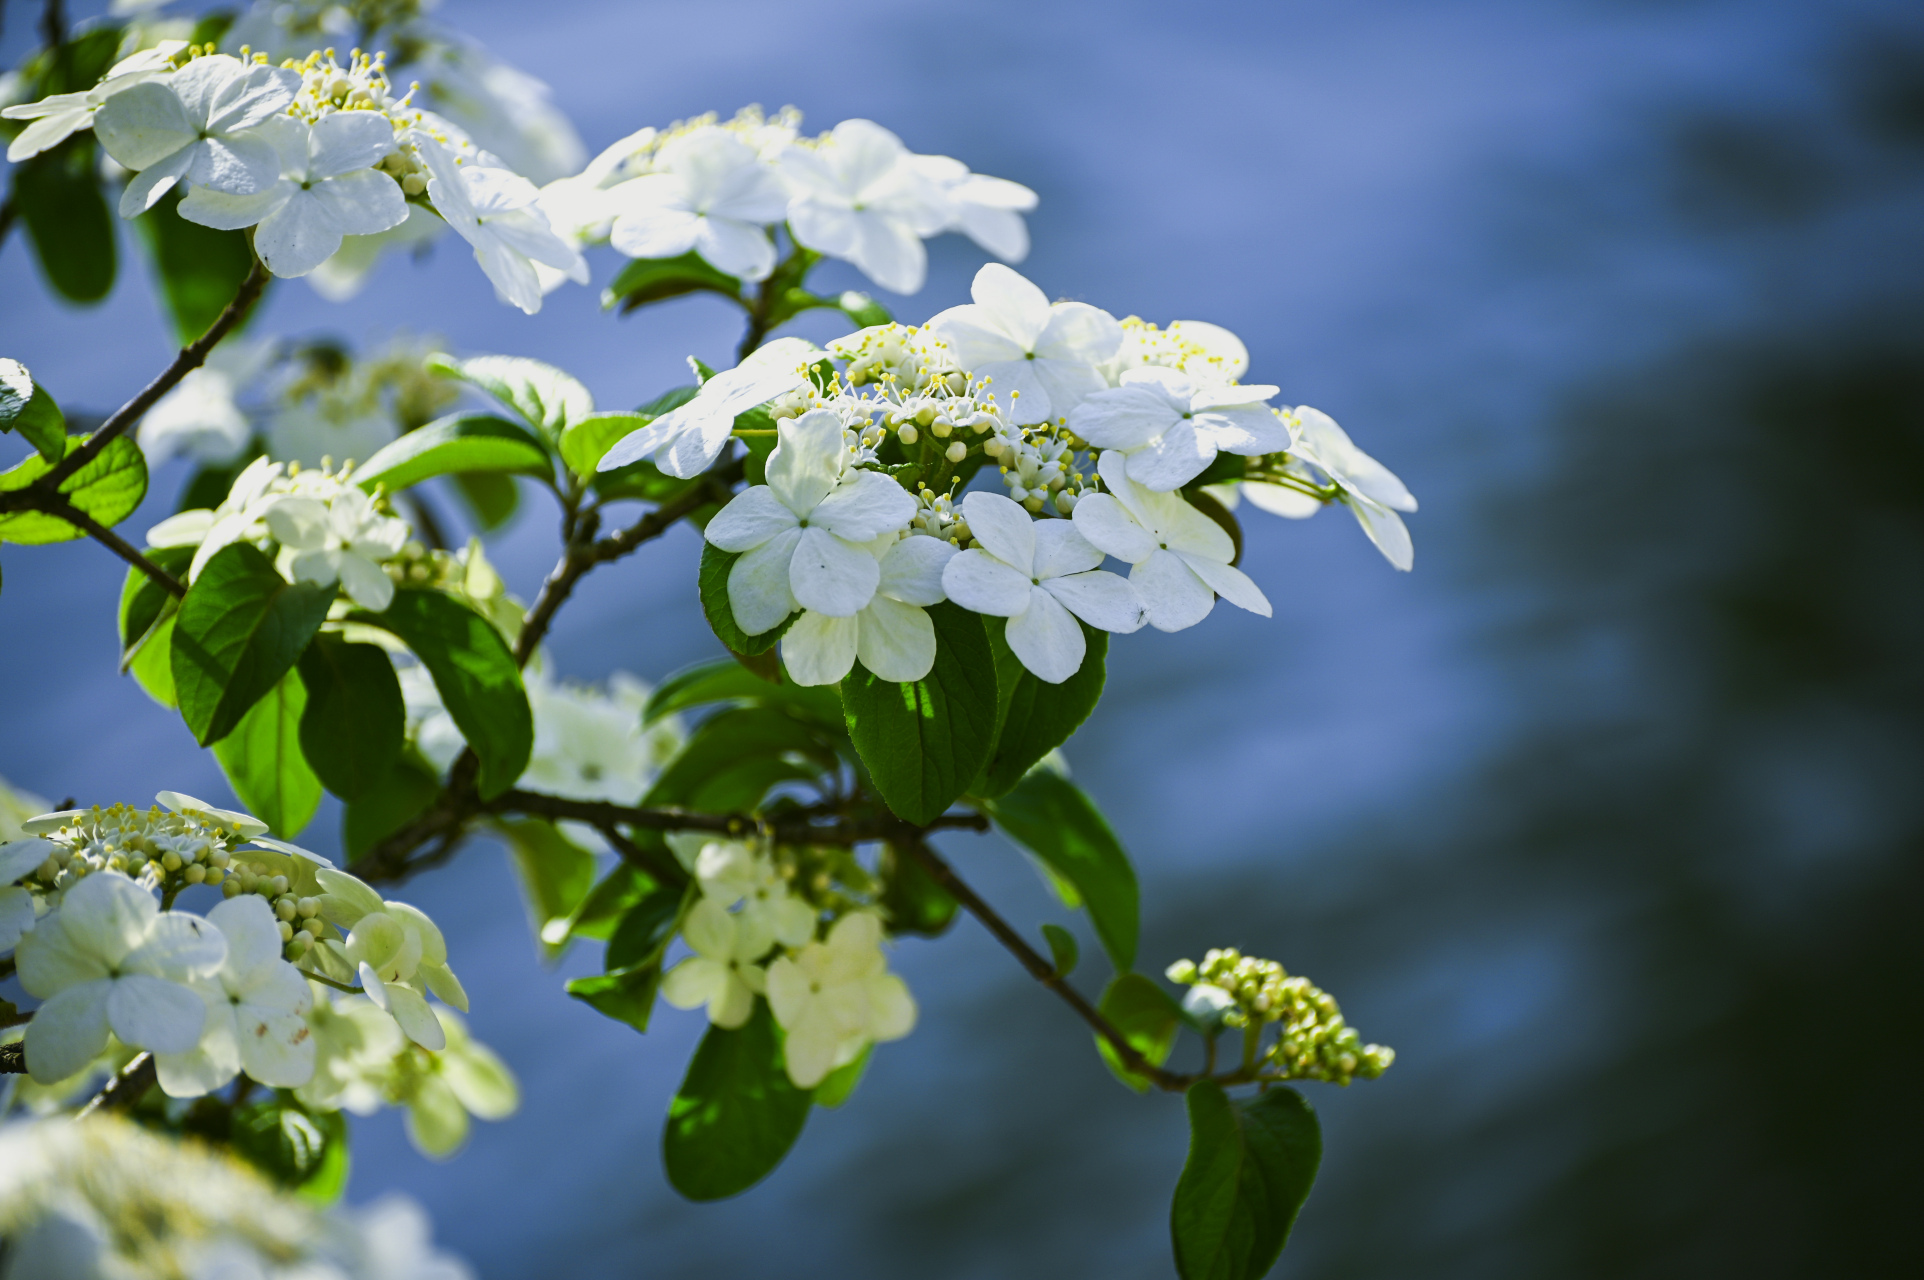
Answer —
57 505
1040 969
191 357
126 1088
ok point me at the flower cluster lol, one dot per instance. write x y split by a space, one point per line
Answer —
833 996
719 188
322 527
111 1197
1313 1042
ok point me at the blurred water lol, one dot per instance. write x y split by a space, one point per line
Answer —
1600 817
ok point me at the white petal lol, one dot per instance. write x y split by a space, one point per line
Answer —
974 339
1329 447
980 583
889 253
276 1047
18 857
831 575
51 959
210 1064
758 585
1280 500
240 163
656 230
224 212
141 126
807 461
366 583
1068 383
1046 638
252 933
146 188
788 994
108 915
1100 599
299 237
410 1009
710 930
1061 550
896 641
912 570
1180 456
68 1031
810 1050
891 1008
1186 529
820 650
1001 527
16 916
153 1013
346 141
1229 582
482 1082
751 518
1175 597
363 203
738 248
732 1005
864 507
1250 432
1078 332
693 451
694 982
1386 529
1016 388
1109 527
1125 417
1017 307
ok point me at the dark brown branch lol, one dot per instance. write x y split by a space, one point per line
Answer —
191 357
57 505
799 827
126 1088
1040 969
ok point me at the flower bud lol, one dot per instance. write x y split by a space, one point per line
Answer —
194 874
907 433
231 888
958 451
284 908
170 860
213 875
287 931
279 884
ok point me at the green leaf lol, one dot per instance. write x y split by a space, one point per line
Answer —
838 1084
732 758
152 665
355 723
490 495
641 479
58 196
398 798
724 680
858 307
647 280
239 630
605 906
263 761
736 1113
585 441
145 604
911 898
108 488
556 875
626 995
865 311
475 674
715 564
1148 1018
460 442
200 269
923 742
1251 1164
545 397
209 486
1051 817
297 1148
1039 717
1062 949
28 408
647 927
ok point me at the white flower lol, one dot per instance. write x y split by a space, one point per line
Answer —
712 194
342 539
200 416
802 532
197 126
731 872
856 197
395 1241
257 1006
109 958
834 997
722 973
496 211
1370 489
1180 556
685 442
1036 575
59 117
986 210
1171 425
19 858
395 950
462 1079
589 745
355 1044
1042 359
328 189
891 634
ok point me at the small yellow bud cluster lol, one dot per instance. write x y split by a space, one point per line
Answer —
299 917
156 846
1314 1043
936 515
1039 465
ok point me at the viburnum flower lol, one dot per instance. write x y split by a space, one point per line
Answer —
685 441
1180 557
856 196
197 126
722 973
802 532
355 1044
891 634
732 872
1171 425
836 996
589 745
59 116
986 210
1041 359
257 1006
109 959
327 190
495 210
710 193
18 858
1036 574
396 951
1370 489
343 539
441 1090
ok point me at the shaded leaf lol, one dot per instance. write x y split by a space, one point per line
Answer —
239 630
556 876
356 722
838 1084
722 680
67 219
1051 817
736 1114
491 497
1251 1164
715 565
401 795
911 899
737 752
200 269
1062 949
646 280
1148 1018
263 761
1038 717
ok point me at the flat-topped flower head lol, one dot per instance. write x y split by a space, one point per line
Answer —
256 1011
197 125
328 189
857 196
711 193
1041 576
1370 489
1180 557
1171 425
1041 359
801 535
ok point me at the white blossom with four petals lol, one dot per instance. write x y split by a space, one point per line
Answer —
343 539
497 211
732 873
1171 425
1179 556
856 196
19 858
257 1005
834 997
986 210
710 193
891 634
722 973
1370 489
1041 576
1041 359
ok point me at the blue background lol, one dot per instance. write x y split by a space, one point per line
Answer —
1606 817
